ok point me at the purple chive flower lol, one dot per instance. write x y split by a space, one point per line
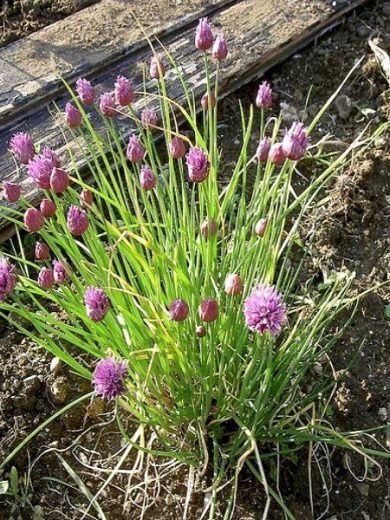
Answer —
59 180
39 169
263 149
60 274
260 227
157 67
203 36
49 153
123 91
33 220
48 208
208 228
205 101
200 331
276 154
109 378
178 310
197 164
295 142
22 146
177 148
85 91
45 278
233 285
149 118
73 116
77 221
7 278
220 50
264 310
208 310
147 178
135 152
42 250
96 303
264 96
107 105
86 198
12 191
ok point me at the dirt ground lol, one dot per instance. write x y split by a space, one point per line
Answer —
21 17
351 230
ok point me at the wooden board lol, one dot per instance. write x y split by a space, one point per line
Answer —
260 34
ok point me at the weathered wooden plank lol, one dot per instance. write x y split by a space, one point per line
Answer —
258 35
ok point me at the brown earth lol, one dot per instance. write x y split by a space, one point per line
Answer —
351 230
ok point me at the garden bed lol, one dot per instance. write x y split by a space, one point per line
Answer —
352 230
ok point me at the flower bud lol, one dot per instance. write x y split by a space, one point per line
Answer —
204 36
208 310
197 164
77 221
177 148
107 105
264 96
233 285
276 155
33 220
60 272
42 250
149 118
157 67
295 142
260 227
73 116
85 91
49 153
96 302
220 50
263 149
48 208
200 331
86 198
59 180
7 278
45 278
135 152
123 91
208 228
147 178
178 310
22 147
12 191
205 100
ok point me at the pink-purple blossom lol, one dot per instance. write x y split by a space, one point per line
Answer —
39 169
177 148
135 151
45 278
59 180
208 310
157 67
22 147
109 378
203 36
264 96
85 91
123 91
197 164
264 310
33 220
73 116
220 50
107 105
149 118
276 154
77 221
178 310
96 303
60 271
42 250
147 178
7 278
49 153
295 142
48 208
263 149
12 191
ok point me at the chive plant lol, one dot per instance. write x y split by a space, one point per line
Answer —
183 294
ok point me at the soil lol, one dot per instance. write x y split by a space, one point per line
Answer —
351 230
21 17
